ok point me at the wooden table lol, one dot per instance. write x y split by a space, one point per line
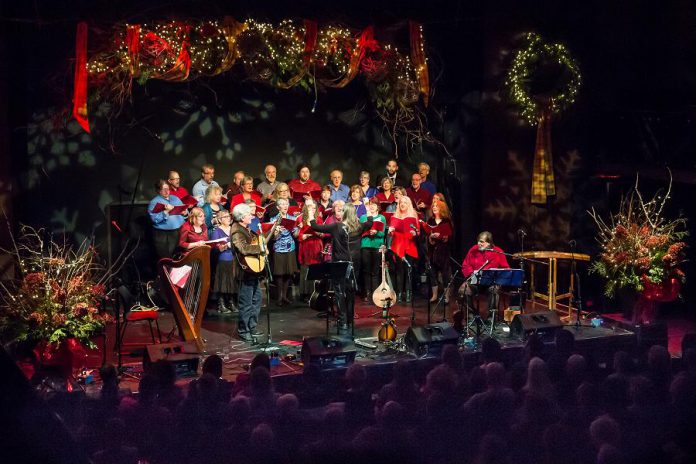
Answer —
552 258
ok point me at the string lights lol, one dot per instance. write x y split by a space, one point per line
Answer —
526 65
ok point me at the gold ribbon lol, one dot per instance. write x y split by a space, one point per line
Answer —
543 182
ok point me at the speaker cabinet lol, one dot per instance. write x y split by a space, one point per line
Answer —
429 340
328 352
543 323
183 355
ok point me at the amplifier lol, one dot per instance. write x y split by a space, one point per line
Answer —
543 323
328 352
430 339
183 355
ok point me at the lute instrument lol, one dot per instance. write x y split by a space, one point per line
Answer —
383 294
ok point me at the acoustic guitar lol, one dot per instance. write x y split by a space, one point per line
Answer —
384 294
256 264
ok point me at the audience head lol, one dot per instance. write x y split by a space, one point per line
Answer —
623 364
260 360
451 357
491 350
287 405
659 360
495 375
356 377
565 342
440 379
260 381
213 365
605 431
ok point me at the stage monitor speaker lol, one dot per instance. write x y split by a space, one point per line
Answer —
328 352
183 355
543 323
429 340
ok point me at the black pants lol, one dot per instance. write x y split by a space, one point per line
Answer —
401 270
371 261
467 292
344 289
166 242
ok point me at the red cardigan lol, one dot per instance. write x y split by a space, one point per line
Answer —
188 235
475 259
239 199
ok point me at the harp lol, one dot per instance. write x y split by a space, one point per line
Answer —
186 283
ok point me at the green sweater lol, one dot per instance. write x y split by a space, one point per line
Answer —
374 241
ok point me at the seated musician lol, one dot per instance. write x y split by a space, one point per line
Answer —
346 234
249 302
493 257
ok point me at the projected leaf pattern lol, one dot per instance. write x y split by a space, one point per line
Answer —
512 208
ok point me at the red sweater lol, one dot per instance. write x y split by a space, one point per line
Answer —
239 199
180 192
475 259
188 235
296 185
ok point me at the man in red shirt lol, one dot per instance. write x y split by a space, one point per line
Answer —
420 197
483 255
175 187
303 183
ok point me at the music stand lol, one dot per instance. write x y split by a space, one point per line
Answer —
334 272
503 277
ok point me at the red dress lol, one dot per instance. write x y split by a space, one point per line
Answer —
309 250
188 235
403 242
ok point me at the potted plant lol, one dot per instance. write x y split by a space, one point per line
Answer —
641 253
54 304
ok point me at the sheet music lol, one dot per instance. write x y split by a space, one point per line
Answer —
179 275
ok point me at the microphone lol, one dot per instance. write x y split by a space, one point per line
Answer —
406 261
521 232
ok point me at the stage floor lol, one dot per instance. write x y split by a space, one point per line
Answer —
289 325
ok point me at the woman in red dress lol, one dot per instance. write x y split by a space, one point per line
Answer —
310 247
439 230
193 233
403 229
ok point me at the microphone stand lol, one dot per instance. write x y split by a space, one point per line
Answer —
269 279
410 285
575 299
428 271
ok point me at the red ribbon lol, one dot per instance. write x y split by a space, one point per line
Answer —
80 90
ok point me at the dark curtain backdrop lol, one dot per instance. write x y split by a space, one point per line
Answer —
634 113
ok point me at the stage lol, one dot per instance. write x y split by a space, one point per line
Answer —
291 324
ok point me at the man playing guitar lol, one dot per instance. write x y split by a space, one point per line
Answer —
247 245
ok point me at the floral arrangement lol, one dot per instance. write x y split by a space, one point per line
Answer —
57 295
640 248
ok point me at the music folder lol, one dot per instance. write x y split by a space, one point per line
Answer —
175 211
